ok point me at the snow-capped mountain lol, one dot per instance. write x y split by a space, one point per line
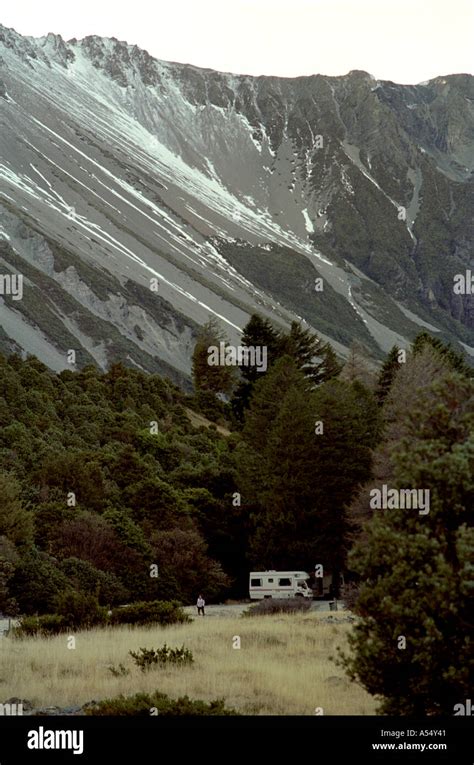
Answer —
139 197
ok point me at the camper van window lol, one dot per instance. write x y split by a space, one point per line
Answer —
301 583
285 582
255 582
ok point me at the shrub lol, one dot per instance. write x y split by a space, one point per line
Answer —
48 624
75 610
119 671
79 609
152 612
145 704
165 655
270 606
85 577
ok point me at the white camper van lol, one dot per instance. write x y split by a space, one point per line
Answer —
279 584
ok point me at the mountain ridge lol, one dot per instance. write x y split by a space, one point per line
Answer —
191 176
61 40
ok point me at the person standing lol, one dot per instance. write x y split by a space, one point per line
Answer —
200 605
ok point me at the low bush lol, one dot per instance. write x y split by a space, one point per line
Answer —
74 611
166 655
119 671
152 612
270 606
80 610
145 704
48 624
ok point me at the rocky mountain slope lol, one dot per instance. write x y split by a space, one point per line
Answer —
139 197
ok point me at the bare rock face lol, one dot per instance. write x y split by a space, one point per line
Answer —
139 197
57 49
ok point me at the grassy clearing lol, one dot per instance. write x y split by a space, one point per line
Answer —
282 667
198 420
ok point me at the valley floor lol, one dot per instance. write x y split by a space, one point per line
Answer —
283 666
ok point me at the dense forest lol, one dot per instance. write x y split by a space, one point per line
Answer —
121 485
103 477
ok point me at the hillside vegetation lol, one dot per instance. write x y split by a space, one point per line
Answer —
117 488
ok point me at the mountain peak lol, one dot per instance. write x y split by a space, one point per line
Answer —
58 50
361 74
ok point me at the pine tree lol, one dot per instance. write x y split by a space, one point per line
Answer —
412 645
388 371
414 376
260 332
257 332
217 378
455 359
302 456
316 359
331 367
265 403
357 366
287 514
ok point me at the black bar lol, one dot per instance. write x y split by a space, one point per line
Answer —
322 739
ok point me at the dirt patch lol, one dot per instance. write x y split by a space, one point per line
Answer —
198 420
219 611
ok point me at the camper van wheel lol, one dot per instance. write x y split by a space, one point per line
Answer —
299 595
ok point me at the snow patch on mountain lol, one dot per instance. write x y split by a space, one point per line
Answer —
307 221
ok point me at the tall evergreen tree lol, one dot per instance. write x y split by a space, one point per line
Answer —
388 371
412 645
316 359
357 366
287 491
302 456
257 332
218 378
331 366
455 359
415 375
260 332
265 404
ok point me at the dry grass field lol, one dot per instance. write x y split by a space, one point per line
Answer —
282 668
